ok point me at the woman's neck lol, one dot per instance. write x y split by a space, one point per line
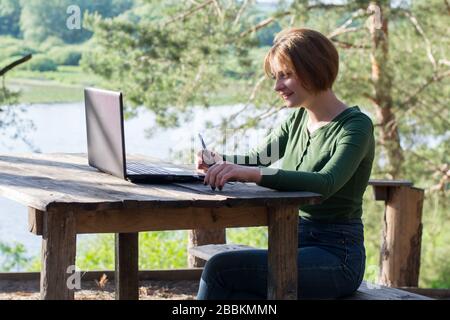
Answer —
323 107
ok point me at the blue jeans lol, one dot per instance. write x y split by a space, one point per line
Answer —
331 262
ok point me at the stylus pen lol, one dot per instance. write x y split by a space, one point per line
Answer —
202 141
204 148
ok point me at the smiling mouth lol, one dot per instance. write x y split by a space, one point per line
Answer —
285 96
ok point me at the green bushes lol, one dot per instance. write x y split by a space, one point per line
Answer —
46 56
13 257
11 48
42 64
65 56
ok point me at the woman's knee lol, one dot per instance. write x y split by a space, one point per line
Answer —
235 260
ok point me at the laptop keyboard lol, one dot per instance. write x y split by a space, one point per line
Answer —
139 168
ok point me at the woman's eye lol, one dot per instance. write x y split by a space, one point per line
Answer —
281 76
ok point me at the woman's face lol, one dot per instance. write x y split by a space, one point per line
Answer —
289 87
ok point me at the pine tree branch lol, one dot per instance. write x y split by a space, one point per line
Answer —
348 45
344 27
264 23
218 9
444 61
187 13
269 20
430 112
327 6
433 79
240 12
250 99
15 64
442 170
419 29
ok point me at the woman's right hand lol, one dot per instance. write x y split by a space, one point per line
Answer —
206 159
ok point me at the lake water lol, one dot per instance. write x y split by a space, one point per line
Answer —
61 128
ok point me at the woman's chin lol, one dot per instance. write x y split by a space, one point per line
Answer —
290 104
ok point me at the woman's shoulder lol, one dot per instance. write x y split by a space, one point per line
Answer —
297 115
354 117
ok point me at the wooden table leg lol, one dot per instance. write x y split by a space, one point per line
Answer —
282 253
127 258
58 254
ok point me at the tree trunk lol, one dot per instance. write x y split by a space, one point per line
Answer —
382 82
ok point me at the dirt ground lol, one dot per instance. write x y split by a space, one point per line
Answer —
92 290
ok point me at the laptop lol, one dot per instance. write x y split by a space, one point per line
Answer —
106 144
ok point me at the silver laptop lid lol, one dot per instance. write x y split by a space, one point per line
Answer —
105 133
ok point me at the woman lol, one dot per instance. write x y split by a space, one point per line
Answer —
325 147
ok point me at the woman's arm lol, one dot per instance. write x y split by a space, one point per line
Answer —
352 147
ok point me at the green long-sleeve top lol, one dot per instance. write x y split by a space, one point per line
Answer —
335 161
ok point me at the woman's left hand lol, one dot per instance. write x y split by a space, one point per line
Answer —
221 173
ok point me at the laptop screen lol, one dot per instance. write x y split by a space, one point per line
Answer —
105 135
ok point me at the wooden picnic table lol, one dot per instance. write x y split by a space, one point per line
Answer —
66 197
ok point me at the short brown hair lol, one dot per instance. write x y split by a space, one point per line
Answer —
308 54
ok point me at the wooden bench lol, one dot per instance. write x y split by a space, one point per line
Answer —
366 291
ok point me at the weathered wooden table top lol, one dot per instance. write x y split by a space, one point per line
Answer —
42 181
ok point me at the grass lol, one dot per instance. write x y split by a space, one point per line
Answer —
44 91
64 85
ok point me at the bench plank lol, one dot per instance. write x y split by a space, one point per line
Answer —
205 252
368 291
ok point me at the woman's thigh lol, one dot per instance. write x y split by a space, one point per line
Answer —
235 275
243 275
323 275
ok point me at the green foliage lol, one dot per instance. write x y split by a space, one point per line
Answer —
66 56
11 48
157 250
12 257
41 19
7 97
42 63
9 17
159 63
255 237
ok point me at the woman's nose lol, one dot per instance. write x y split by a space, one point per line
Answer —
278 85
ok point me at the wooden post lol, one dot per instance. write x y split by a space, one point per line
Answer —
35 221
127 268
282 253
58 254
199 237
402 234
